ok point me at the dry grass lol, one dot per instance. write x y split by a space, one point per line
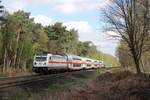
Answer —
14 72
109 86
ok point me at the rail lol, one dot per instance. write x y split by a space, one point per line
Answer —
16 81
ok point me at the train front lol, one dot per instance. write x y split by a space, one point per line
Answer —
40 63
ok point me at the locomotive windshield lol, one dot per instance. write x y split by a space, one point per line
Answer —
40 58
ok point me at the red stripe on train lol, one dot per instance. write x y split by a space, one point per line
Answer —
65 62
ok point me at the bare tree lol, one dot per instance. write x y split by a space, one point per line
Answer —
129 20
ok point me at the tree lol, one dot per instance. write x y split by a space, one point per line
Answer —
61 40
130 24
40 38
4 37
16 37
72 41
126 60
87 49
124 55
84 48
56 35
3 13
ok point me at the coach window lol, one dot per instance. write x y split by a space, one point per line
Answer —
76 59
88 60
55 57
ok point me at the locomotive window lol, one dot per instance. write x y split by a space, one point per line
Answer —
50 58
40 58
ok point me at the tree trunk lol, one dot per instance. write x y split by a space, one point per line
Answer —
137 65
19 57
16 51
4 61
142 65
135 59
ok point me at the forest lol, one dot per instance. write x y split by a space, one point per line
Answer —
21 38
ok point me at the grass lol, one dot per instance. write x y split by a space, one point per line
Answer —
104 84
14 73
121 85
62 87
78 79
2 75
75 80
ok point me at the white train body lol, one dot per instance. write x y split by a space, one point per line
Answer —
48 62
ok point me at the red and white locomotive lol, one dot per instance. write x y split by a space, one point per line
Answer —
47 62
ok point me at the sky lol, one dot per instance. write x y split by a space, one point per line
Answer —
83 15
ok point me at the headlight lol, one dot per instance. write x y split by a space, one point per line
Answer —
44 64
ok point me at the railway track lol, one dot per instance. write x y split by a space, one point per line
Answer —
18 81
9 82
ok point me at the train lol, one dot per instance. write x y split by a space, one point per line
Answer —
43 63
